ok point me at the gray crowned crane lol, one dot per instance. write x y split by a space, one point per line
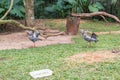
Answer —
33 36
89 38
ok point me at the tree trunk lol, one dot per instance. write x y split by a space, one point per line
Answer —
29 10
72 25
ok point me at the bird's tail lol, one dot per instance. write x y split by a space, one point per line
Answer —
93 35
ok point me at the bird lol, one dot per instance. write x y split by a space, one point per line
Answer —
89 38
33 36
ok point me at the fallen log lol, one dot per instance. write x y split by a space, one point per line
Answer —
13 22
85 15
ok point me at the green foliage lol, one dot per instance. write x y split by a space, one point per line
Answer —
39 8
83 4
17 11
64 7
86 6
113 2
1 10
95 7
112 7
61 8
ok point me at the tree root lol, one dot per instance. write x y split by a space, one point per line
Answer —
46 35
46 32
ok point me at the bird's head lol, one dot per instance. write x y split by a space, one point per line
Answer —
82 31
29 32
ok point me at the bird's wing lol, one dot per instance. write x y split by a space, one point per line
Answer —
37 33
88 38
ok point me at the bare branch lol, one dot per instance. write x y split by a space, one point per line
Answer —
16 24
84 15
52 34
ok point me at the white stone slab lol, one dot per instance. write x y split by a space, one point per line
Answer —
41 73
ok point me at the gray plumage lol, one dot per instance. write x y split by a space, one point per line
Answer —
33 36
92 38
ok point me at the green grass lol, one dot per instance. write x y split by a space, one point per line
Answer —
16 64
56 24
95 26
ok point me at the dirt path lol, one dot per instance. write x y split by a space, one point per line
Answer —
20 40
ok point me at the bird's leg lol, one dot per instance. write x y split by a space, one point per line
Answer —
34 44
89 44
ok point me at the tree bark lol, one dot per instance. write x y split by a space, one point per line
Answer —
29 10
72 25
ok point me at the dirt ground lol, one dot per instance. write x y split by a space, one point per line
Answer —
19 40
91 57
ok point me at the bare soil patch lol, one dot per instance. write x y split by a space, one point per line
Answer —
91 57
19 40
